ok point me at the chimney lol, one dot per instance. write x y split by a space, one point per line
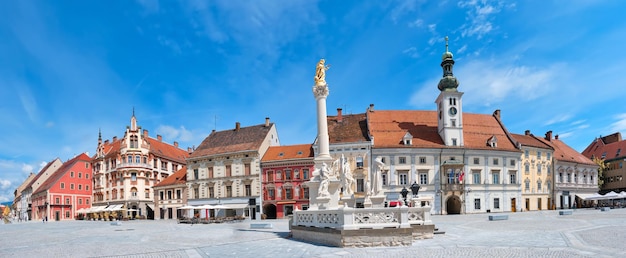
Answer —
145 133
114 138
556 137
212 131
339 117
497 114
527 132
189 149
176 144
267 122
371 109
159 137
549 136
237 126
106 141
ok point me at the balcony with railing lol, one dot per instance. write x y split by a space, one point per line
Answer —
134 165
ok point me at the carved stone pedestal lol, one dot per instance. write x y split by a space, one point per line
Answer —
330 201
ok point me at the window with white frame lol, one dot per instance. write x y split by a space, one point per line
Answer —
423 178
527 184
403 178
495 176
384 178
496 203
402 160
476 177
513 178
422 160
477 204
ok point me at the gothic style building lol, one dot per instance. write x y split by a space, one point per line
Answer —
126 169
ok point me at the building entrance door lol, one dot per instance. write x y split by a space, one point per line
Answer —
513 207
57 215
453 205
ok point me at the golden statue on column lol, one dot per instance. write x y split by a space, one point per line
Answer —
320 72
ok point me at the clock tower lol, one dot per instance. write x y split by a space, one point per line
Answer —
449 104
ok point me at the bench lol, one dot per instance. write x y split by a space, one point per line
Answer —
569 212
116 223
605 209
498 217
260 225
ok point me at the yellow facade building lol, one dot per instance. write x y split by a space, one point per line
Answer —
537 172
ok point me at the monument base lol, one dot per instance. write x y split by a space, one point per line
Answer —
354 238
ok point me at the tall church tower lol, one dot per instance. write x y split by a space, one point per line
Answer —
449 104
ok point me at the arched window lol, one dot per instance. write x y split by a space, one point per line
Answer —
133 192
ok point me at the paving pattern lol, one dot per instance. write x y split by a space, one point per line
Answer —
585 233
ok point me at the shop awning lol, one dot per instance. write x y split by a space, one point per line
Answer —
150 205
587 196
115 207
236 206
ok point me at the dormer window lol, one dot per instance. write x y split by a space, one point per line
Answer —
407 139
281 154
492 142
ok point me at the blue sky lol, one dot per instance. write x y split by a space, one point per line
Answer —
69 68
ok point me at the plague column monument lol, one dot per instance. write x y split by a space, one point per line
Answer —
324 185
327 222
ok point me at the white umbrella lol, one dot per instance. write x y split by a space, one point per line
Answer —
187 207
219 207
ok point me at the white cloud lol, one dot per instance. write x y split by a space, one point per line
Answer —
479 16
416 24
27 168
558 119
492 82
5 184
620 124
412 52
175 134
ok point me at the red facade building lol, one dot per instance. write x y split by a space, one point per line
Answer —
285 169
66 191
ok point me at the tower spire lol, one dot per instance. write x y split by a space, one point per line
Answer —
99 135
448 82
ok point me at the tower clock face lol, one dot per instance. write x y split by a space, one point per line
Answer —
452 111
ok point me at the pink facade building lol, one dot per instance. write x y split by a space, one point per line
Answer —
66 191
285 169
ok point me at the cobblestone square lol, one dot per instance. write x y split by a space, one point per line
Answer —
585 233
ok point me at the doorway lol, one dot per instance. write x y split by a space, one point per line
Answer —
57 215
270 211
513 206
453 205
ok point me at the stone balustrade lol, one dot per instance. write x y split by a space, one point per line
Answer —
347 218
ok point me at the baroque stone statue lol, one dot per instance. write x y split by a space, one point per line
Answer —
320 72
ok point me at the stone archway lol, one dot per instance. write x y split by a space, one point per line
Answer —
453 205
270 211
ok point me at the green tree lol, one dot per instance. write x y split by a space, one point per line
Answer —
601 168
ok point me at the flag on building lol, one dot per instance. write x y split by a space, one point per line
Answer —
461 176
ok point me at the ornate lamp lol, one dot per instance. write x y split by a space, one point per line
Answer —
404 193
415 188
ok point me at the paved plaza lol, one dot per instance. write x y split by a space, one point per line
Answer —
585 233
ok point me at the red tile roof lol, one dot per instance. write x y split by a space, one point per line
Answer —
165 150
245 139
157 148
611 149
351 128
563 152
291 152
178 178
530 140
388 127
58 174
